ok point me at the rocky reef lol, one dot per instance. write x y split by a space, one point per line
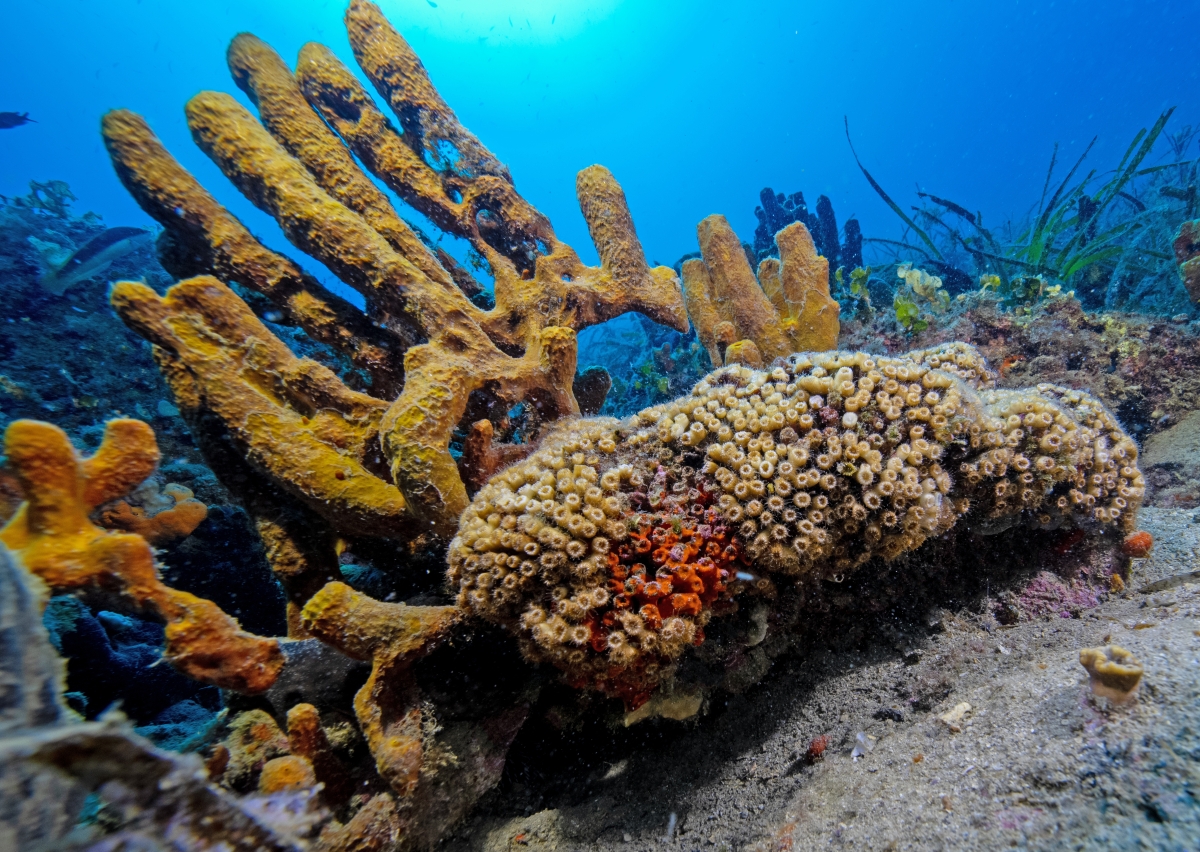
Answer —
844 469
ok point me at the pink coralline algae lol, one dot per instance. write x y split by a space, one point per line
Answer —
1048 594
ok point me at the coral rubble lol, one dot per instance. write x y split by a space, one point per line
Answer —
740 319
609 549
54 538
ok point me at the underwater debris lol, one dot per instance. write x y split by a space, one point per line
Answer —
155 793
610 548
864 744
741 319
65 269
816 749
1113 672
954 715
55 540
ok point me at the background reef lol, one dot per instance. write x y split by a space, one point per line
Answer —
385 693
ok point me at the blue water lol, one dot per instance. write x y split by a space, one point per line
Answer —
695 106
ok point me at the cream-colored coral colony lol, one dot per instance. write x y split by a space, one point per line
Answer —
596 549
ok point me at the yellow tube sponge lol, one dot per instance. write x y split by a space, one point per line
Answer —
55 539
786 309
428 353
392 637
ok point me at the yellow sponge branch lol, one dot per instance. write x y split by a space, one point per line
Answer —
54 538
743 320
429 354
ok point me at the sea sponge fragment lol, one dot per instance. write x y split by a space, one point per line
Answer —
1114 673
393 637
54 538
743 320
163 517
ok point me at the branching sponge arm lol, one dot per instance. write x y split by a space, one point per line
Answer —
742 320
424 347
55 540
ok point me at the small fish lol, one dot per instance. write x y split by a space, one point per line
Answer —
91 260
9 120
431 3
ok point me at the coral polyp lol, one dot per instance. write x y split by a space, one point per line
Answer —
609 549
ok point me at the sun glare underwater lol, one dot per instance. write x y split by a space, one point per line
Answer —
448 424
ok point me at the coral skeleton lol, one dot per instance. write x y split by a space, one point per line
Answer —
1114 673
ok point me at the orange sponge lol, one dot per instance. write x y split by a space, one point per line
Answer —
159 528
55 539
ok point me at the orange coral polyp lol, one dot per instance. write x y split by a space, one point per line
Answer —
653 616
686 604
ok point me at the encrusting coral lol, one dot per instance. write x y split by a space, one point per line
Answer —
744 320
431 357
609 549
56 541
